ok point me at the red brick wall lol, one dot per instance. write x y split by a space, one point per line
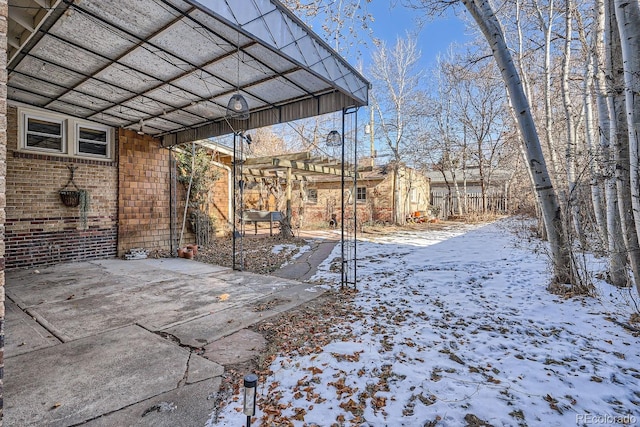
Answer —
40 229
144 199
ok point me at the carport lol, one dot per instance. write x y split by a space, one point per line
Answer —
161 73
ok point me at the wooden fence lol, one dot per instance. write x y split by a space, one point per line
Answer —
447 204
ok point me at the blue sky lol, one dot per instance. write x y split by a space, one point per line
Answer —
435 36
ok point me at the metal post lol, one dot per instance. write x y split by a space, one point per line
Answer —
233 205
355 201
343 270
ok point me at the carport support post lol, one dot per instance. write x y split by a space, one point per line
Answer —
288 229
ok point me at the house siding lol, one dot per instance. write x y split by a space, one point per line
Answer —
144 199
40 229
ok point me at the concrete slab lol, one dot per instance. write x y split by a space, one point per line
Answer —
304 267
61 282
218 324
188 406
153 304
77 381
236 348
23 333
142 267
200 369
110 367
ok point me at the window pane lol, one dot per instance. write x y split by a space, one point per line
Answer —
42 126
92 148
93 134
48 142
361 193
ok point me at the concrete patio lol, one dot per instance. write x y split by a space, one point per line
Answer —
111 342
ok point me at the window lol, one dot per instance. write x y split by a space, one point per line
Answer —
361 194
44 134
414 195
93 141
312 195
55 133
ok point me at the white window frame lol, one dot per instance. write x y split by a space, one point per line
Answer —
414 195
46 118
91 126
70 134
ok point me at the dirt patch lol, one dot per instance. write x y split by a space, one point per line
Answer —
304 330
258 252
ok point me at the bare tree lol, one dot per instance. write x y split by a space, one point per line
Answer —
546 18
395 86
628 19
486 20
616 249
619 137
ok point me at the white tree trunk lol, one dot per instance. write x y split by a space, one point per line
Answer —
547 27
594 158
617 255
628 18
484 16
572 198
620 140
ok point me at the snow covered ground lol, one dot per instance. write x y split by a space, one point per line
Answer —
455 327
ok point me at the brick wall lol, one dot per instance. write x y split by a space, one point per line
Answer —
40 229
4 10
377 206
144 199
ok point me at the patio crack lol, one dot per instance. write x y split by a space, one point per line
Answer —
183 381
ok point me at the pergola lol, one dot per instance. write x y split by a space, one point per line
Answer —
301 167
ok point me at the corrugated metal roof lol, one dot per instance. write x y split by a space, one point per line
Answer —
174 64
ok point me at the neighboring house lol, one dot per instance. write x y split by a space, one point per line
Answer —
469 183
373 195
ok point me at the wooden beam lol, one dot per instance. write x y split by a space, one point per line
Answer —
273 173
311 167
305 155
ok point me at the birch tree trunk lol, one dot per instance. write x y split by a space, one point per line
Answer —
617 255
572 199
547 27
527 90
620 139
595 181
628 18
488 23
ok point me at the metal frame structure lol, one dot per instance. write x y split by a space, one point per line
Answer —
164 66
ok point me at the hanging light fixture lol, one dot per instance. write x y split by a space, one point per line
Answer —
334 139
238 108
140 131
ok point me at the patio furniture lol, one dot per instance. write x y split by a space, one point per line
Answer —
262 216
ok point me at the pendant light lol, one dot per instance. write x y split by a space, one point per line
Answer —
238 108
